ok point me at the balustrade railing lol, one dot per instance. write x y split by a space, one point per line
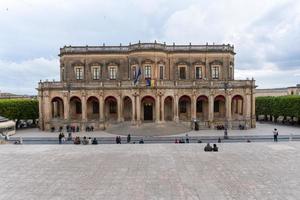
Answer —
146 46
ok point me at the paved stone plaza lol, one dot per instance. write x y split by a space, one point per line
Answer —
150 171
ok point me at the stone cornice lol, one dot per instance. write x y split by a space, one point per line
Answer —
147 47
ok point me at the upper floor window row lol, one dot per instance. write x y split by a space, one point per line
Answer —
95 72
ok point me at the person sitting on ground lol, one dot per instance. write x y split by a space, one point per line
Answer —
208 147
77 140
215 148
94 141
176 141
90 140
141 141
85 141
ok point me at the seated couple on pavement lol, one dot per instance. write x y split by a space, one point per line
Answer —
210 148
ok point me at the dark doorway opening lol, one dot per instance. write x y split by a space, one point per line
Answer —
148 112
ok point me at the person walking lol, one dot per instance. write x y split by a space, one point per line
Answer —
128 138
59 138
187 138
275 135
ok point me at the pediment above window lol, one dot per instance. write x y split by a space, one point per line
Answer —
77 64
134 62
161 62
147 61
182 63
216 62
112 63
199 63
95 64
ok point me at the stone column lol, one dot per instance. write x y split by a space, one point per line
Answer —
175 106
193 107
66 106
120 114
211 110
41 116
228 110
157 108
162 109
47 110
101 108
138 109
133 109
84 112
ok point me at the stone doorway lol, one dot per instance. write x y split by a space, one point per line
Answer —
148 112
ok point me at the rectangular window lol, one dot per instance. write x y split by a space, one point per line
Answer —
96 73
215 72
112 73
182 107
78 107
133 72
112 107
198 72
199 106
217 106
79 73
161 72
147 71
95 107
182 73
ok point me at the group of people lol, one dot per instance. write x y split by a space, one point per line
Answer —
89 128
119 140
211 148
182 140
85 140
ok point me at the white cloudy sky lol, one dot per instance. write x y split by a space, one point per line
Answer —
266 34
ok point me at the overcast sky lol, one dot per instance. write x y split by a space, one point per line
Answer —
265 33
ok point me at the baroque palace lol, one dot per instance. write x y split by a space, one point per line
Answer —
147 82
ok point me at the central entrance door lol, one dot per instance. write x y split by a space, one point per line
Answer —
148 112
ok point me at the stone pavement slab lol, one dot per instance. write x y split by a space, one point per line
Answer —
150 171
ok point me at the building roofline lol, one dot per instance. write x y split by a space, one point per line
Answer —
163 47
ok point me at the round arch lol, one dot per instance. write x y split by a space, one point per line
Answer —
148 108
202 107
92 106
237 105
111 108
184 108
127 108
168 108
75 108
57 108
219 107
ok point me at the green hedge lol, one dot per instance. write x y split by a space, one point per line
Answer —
278 106
17 109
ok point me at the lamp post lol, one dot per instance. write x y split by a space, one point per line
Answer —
226 120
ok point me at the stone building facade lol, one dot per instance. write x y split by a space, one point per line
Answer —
180 83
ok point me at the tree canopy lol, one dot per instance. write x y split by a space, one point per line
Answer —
17 109
278 106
